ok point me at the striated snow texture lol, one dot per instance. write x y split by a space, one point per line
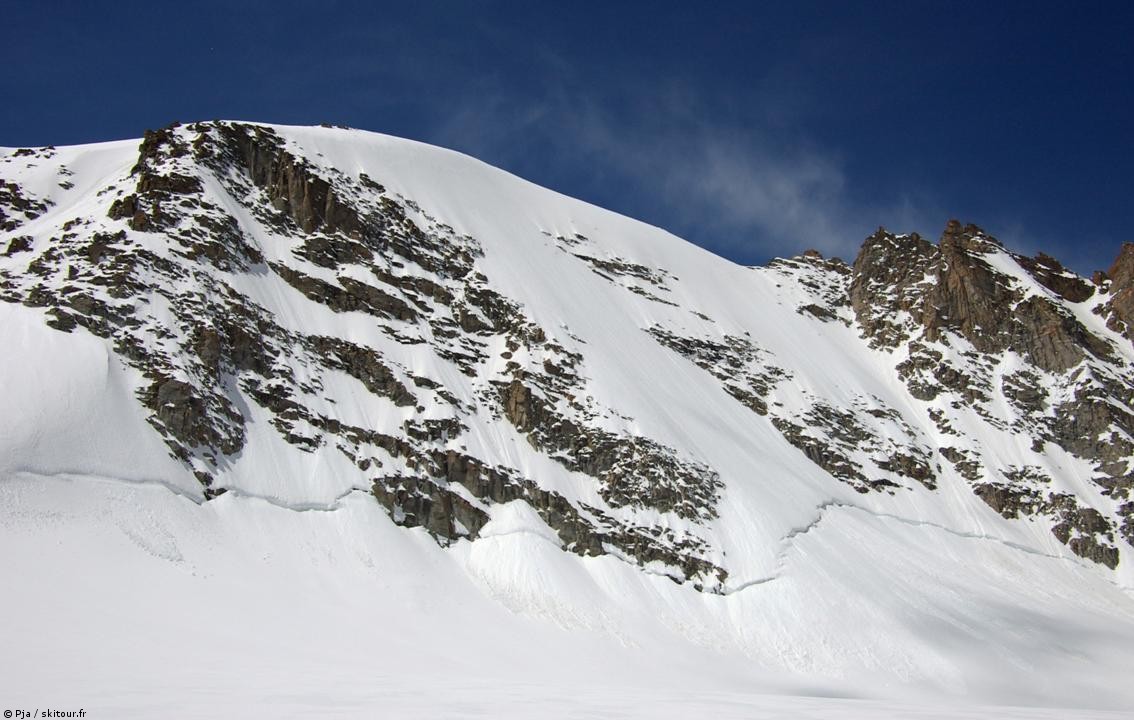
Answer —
317 421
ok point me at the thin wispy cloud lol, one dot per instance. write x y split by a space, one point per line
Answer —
741 189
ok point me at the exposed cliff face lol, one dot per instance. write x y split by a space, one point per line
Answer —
1118 282
957 310
891 277
951 289
276 302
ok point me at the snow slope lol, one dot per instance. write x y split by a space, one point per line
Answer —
187 529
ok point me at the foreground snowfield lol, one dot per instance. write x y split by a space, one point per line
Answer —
295 594
131 601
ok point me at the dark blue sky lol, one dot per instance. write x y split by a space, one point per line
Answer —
752 129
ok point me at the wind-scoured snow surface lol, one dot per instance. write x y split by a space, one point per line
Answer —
237 433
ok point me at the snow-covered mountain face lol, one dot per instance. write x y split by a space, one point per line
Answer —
920 444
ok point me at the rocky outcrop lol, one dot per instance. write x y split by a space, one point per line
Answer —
632 470
16 207
365 365
291 185
889 278
1119 282
951 289
954 312
450 503
1050 273
846 445
827 435
1083 529
745 371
